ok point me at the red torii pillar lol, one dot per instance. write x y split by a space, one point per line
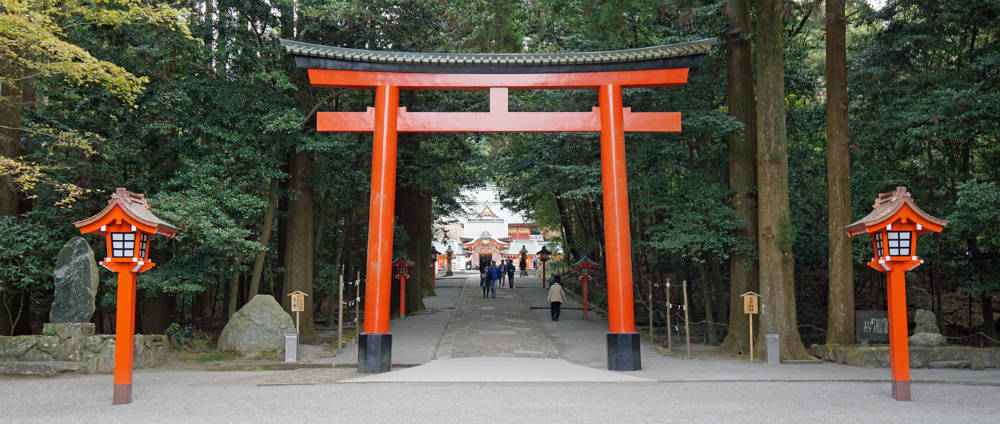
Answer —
386 119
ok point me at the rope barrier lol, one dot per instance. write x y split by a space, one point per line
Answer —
974 335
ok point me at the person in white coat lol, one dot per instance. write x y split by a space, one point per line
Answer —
556 296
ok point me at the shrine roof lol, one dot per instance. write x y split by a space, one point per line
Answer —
680 55
885 206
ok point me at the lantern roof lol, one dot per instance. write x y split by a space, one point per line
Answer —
585 262
544 250
136 208
402 261
887 207
681 55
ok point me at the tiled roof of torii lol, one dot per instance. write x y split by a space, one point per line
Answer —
681 55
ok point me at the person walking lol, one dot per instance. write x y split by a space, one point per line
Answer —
484 278
556 296
510 272
523 264
494 275
503 270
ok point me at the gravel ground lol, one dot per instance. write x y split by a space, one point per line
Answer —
164 396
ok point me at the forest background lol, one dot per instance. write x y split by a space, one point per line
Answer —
195 104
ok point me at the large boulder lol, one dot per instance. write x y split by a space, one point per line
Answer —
257 329
926 332
925 322
76 283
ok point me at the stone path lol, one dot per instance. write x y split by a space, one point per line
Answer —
503 326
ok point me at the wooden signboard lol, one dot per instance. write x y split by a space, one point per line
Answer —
750 303
298 305
298 301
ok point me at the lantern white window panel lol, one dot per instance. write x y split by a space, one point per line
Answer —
122 245
878 244
143 244
899 243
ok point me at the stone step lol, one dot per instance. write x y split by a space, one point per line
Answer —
948 364
42 368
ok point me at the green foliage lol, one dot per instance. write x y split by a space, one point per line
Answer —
186 338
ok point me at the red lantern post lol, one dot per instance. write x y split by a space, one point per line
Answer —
894 223
126 224
543 255
586 268
402 272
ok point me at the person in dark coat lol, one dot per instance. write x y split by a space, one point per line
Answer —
484 279
510 272
523 264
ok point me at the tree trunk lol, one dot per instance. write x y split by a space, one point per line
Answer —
420 249
776 236
299 240
567 227
347 243
413 211
11 303
234 295
840 312
265 239
989 324
156 313
10 142
742 168
706 292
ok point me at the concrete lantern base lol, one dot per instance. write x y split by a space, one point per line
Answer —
374 353
901 390
623 352
123 394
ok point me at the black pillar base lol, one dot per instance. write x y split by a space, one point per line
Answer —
374 353
623 352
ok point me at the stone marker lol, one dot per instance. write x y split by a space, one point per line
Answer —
926 332
258 328
76 283
773 349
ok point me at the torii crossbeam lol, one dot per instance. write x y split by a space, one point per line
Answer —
606 72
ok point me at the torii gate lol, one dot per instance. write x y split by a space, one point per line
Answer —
607 72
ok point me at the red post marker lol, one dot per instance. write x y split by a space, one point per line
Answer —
127 226
402 267
543 255
586 268
895 223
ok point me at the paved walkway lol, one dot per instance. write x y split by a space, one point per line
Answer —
500 326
